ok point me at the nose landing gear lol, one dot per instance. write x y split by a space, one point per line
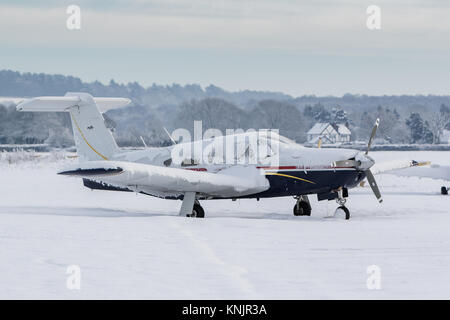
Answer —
342 210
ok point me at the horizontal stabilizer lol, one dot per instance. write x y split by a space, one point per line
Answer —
48 104
7 101
63 103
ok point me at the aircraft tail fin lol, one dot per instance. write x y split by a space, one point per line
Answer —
92 138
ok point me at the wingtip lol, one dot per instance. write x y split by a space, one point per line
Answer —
20 106
91 172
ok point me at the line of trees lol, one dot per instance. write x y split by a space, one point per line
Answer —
404 119
129 124
428 131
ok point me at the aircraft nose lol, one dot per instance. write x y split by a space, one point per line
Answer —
364 161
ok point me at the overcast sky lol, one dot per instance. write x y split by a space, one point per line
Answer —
319 47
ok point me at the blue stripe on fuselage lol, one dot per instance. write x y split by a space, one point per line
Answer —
324 181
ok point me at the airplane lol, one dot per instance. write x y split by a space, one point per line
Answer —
300 171
433 171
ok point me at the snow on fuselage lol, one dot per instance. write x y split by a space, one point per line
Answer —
287 153
290 168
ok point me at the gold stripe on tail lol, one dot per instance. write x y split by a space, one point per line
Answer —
84 138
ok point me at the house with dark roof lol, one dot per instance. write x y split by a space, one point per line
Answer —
330 133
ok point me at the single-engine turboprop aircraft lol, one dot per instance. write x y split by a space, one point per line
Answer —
300 171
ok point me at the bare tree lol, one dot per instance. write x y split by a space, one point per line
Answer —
438 121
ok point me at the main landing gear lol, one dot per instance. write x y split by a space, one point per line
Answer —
197 211
190 207
302 207
444 190
342 210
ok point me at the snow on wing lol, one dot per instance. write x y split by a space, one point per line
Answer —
433 172
231 182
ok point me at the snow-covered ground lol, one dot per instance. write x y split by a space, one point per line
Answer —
135 246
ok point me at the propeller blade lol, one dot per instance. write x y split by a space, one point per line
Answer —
373 185
372 135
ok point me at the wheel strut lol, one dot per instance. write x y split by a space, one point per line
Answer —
341 202
190 207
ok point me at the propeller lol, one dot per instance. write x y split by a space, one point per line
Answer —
372 135
369 175
373 185
363 162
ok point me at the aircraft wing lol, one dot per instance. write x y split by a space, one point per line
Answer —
231 182
434 172
391 166
407 168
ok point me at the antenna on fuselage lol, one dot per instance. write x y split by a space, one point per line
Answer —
170 137
143 141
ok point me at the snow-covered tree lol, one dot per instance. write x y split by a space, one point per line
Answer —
318 113
420 132
439 121
390 125
272 114
339 115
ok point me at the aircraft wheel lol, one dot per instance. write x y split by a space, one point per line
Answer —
197 212
444 190
302 209
342 211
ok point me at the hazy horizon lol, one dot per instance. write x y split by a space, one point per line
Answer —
106 83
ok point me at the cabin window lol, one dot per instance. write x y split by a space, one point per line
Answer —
189 162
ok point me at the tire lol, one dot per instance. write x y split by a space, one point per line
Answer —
197 212
304 209
346 211
444 190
